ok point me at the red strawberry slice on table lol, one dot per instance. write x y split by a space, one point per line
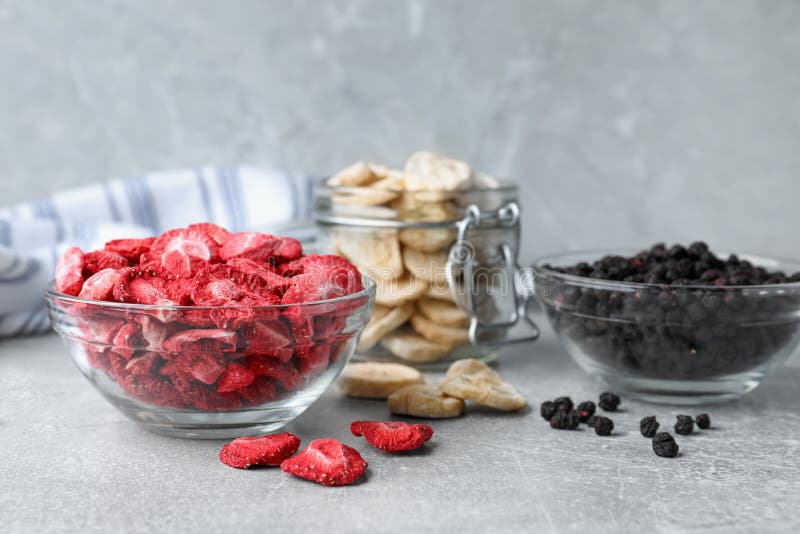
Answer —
328 462
392 436
270 450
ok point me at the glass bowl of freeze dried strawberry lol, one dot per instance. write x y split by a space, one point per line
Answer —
203 333
677 325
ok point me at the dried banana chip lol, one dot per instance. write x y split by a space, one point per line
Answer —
426 171
447 335
413 347
373 380
391 291
443 312
384 320
475 381
424 401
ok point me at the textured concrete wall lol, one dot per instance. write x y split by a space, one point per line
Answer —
625 122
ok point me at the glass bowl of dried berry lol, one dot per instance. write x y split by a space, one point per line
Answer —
677 325
205 334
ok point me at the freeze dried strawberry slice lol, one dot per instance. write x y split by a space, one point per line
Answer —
132 249
260 391
217 233
315 262
143 364
259 450
69 272
265 336
236 376
103 259
182 250
100 286
314 360
218 284
153 331
205 367
261 247
139 287
392 436
322 285
189 340
273 280
100 331
127 340
284 373
328 462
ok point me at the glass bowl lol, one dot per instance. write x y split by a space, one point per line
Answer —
211 372
674 344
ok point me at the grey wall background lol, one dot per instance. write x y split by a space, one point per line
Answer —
624 121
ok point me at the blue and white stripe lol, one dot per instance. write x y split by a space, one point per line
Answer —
33 235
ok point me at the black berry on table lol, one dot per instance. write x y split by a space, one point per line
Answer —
648 426
664 445
703 421
684 425
563 404
585 410
565 420
609 401
590 420
603 426
547 410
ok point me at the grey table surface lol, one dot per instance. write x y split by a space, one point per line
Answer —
70 462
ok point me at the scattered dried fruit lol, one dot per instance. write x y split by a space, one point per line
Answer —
603 426
609 401
425 401
547 410
563 404
664 445
328 462
374 380
392 436
248 451
648 426
586 409
472 380
565 420
703 421
684 425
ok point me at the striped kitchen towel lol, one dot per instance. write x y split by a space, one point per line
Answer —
33 235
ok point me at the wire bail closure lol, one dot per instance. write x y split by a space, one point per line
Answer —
461 269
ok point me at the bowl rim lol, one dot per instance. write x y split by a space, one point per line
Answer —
368 291
538 266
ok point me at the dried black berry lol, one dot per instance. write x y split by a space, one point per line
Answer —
648 426
609 401
563 404
565 420
664 445
603 426
590 420
547 410
684 425
585 410
703 421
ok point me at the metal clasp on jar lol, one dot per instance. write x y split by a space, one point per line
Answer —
482 264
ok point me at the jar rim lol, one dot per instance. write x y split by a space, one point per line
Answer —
321 189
